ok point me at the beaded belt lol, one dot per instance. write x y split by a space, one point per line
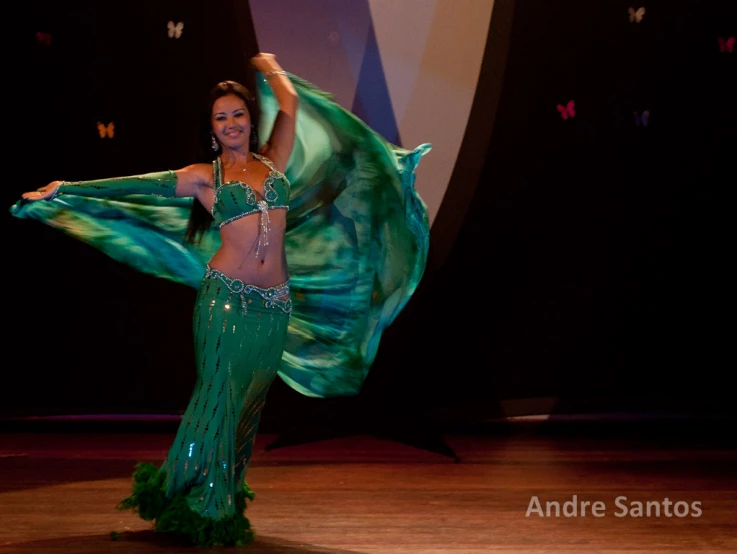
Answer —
274 297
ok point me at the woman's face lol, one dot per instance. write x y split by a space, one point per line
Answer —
231 122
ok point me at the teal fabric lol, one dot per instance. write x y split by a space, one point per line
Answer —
357 239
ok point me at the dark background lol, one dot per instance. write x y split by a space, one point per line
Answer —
581 264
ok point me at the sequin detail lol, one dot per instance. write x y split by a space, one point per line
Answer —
272 297
236 199
160 183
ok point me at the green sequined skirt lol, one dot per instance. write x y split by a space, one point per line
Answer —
199 492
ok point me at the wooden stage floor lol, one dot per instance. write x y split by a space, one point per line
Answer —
367 494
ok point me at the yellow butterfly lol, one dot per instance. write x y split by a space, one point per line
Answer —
175 29
106 130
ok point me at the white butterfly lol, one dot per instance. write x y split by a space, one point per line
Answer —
636 15
175 29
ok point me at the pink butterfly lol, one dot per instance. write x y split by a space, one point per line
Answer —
726 45
642 119
44 38
568 110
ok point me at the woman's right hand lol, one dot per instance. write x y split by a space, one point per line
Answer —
264 62
43 193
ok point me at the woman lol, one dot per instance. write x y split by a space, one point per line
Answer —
241 312
324 192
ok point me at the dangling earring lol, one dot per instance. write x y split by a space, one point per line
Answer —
215 145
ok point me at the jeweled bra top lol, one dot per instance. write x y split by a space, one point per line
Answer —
236 199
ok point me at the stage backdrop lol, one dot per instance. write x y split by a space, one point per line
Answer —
578 189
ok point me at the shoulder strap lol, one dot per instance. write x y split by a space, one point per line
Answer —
267 162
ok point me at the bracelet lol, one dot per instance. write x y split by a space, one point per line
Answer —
276 72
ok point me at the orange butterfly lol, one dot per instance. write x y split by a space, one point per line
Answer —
636 15
106 130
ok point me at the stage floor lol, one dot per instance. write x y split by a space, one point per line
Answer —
371 495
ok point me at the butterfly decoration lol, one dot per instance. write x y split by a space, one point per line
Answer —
106 130
175 29
44 38
569 110
636 15
642 119
726 45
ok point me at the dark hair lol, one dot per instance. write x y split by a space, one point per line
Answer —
200 219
